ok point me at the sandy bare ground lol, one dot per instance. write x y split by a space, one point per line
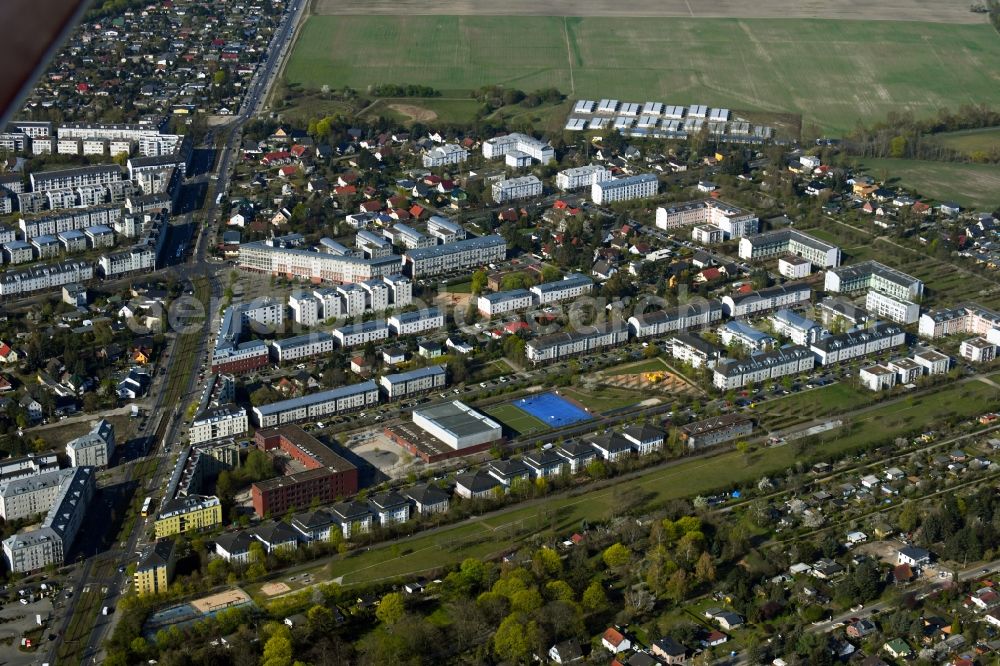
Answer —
417 113
933 11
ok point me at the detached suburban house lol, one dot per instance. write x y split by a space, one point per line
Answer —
915 557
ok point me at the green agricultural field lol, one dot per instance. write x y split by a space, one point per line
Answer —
861 71
516 419
984 140
976 185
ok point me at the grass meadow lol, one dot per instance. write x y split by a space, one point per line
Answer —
833 73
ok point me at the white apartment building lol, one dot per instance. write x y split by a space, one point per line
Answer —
46 247
310 345
330 305
516 188
400 289
139 258
877 377
977 350
353 299
219 422
68 146
48 545
73 241
568 343
373 245
281 256
790 241
376 295
30 495
623 189
305 308
94 449
410 238
895 309
794 268
732 220
969 318
456 256
782 296
44 278
795 327
445 230
681 318
933 362
578 178
405 384
571 286
359 334
876 276
854 344
504 301
907 370
131 132
317 405
416 321
736 373
689 348
45 181
19 252
54 223
449 153
740 333
498 147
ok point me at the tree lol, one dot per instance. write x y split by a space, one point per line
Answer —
278 648
321 619
479 279
546 562
594 599
391 609
559 590
704 569
551 274
515 639
616 556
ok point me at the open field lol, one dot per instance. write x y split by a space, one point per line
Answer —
814 403
968 142
939 11
492 535
976 185
603 398
460 110
864 69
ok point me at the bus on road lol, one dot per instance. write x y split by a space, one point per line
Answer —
146 506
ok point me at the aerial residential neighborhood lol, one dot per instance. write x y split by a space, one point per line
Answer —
310 358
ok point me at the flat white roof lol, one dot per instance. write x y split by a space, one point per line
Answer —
698 110
607 106
622 122
576 124
584 106
598 123
652 108
630 109
648 121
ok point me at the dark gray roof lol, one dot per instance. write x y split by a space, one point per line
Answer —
476 482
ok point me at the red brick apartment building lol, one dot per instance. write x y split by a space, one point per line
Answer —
326 477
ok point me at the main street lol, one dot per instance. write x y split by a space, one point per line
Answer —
166 419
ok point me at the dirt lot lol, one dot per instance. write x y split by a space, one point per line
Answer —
934 11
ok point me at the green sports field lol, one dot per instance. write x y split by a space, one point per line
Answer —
831 72
516 419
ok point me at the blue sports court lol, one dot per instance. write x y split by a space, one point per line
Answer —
552 410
